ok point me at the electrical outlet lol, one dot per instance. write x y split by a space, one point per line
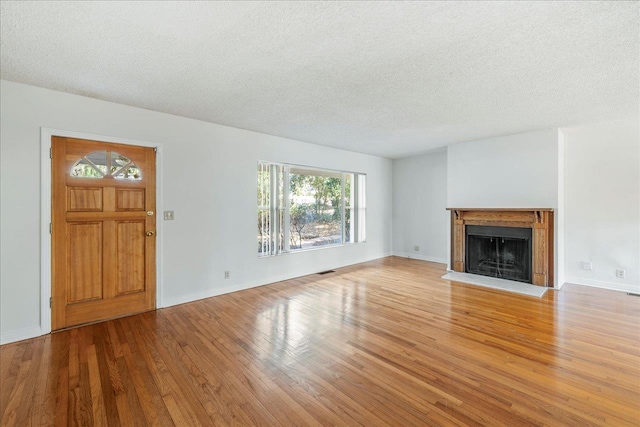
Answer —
168 215
620 273
227 274
587 265
416 248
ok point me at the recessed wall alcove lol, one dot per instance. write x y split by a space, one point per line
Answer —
538 220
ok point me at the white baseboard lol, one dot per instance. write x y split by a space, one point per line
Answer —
21 334
36 331
623 287
421 257
183 299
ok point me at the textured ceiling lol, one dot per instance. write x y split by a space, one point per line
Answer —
385 78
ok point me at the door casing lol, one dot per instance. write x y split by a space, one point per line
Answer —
45 213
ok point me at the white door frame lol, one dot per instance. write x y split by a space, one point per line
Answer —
45 212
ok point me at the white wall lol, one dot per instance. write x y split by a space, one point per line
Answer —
514 171
420 217
559 216
208 180
602 193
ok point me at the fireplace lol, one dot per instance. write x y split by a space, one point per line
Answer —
502 252
514 244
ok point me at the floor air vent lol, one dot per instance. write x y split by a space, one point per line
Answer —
327 272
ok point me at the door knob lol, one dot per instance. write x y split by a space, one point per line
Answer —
150 233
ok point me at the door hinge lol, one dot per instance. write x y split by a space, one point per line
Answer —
51 152
50 302
50 228
155 149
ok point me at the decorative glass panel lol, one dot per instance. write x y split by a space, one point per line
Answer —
102 163
130 172
123 168
93 165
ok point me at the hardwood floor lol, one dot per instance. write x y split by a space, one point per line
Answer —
381 343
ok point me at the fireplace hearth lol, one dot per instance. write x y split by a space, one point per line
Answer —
502 252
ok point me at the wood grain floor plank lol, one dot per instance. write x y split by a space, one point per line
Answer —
105 367
9 368
387 342
60 360
43 402
146 392
211 386
95 388
12 409
167 388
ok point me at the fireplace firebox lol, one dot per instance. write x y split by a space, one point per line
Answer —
502 252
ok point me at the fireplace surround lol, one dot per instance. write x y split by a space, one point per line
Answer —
513 244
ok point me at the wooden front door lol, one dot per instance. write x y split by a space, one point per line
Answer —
103 231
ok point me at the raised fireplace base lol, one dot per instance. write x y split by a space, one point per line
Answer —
499 284
540 221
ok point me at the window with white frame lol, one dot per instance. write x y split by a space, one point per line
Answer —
306 208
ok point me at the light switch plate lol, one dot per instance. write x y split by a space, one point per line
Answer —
168 215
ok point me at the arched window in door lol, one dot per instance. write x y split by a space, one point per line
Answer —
103 164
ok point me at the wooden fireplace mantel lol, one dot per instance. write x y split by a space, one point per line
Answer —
540 220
